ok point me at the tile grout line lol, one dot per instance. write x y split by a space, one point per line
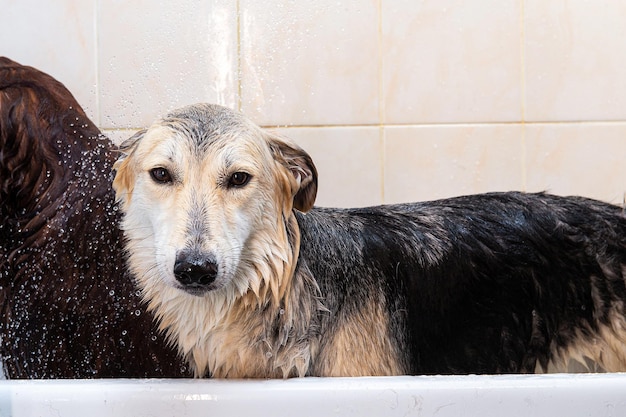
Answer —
452 125
96 41
381 103
523 60
424 125
239 69
523 159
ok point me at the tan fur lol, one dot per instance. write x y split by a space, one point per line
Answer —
124 179
604 352
346 353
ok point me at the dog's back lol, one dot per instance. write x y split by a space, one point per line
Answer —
506 282
68 308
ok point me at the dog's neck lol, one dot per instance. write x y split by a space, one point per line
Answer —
259 331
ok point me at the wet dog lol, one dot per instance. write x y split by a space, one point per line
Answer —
68 307
248 279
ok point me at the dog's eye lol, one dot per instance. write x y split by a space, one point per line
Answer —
239 179
160 175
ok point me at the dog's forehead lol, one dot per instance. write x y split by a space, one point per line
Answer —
208 126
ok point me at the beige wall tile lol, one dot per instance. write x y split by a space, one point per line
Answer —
577 159
451 61
57 37
575 60
156 58
348 162
310 63
431 162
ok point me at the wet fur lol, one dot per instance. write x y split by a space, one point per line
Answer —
68 306
492 283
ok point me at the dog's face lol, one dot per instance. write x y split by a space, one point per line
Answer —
202 189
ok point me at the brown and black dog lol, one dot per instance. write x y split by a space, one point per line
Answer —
248 279
68 308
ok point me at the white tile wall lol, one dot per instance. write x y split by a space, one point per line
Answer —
450 61
575 60
586 159
153 59
310 62
428 162
57 37
396 100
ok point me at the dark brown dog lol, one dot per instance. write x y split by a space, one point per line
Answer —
68 308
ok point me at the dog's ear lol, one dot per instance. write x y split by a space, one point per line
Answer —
124 182
301 167
131 143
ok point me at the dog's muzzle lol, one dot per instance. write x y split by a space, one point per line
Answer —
195 272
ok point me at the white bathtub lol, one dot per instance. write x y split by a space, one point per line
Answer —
545 395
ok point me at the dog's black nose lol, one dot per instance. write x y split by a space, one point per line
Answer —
195 271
